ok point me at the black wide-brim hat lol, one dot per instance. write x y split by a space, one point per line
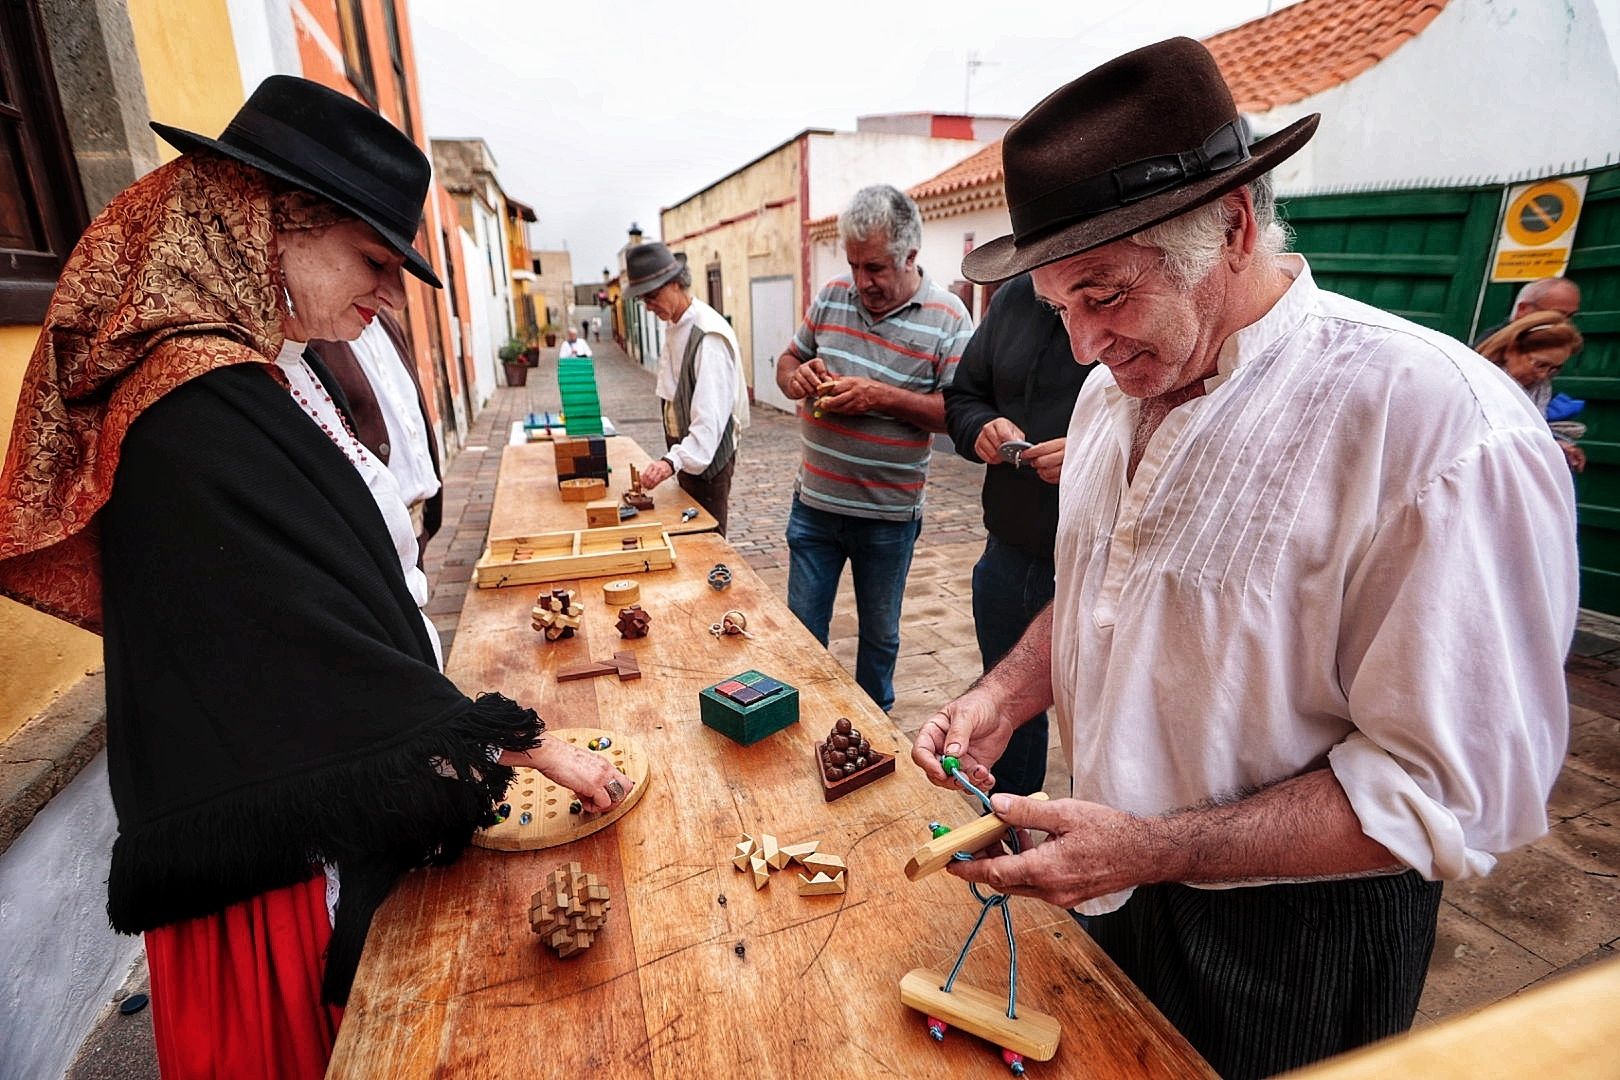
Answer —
330 145
649 267
1137 141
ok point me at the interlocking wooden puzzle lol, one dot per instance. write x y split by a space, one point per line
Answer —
570 911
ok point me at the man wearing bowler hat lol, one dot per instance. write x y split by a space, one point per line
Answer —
1315 578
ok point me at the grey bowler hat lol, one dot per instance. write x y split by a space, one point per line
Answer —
649 267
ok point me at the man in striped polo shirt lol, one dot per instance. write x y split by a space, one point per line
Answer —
870 365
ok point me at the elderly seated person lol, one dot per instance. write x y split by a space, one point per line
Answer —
1533 350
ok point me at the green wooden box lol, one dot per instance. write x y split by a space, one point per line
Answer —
750 721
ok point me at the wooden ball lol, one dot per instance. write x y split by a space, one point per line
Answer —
843 725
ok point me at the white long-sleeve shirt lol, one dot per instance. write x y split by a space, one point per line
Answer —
574 348
410 456
1357 551
715 394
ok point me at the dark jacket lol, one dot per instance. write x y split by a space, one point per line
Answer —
1018 365
369 426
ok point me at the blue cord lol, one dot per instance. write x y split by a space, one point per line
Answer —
986 903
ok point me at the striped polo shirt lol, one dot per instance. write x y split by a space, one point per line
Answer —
872 465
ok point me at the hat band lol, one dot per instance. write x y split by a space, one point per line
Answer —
1131 182
666 268
262 133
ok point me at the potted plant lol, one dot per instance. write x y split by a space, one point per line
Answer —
550 332
511 354
531 347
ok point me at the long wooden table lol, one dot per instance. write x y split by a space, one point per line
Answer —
696 974
527 498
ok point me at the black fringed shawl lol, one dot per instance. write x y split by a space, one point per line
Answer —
272 697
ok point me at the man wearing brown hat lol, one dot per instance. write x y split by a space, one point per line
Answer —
1315 579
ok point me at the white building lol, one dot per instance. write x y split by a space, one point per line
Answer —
1411 92
466 168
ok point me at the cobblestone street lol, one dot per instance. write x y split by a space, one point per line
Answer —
1547 909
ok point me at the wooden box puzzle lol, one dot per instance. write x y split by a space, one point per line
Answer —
563 556
745 708
581 458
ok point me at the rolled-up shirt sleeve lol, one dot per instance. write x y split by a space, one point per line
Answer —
1451 655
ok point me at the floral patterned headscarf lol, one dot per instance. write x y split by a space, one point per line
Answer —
179 275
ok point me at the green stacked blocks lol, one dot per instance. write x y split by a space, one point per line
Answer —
582 408
748 707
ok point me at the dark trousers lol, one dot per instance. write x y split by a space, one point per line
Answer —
1010 587
713 494
1265 979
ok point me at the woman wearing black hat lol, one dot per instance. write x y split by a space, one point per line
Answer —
181 478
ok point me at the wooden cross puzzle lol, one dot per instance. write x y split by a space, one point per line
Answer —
623 664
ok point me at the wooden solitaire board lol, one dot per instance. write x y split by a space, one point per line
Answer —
560 556
547 801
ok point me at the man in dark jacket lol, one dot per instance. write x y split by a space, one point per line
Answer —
1017 381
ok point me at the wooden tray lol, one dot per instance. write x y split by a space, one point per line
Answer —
546 801
561 556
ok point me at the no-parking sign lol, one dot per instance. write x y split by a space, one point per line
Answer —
1538 229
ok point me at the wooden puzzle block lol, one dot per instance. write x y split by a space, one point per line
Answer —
740 711
633 622
570 910
823 863
745 849
601 514
557 614
771 852
762 873
821 885
797 852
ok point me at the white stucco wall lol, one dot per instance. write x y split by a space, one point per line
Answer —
1490 88
59 960
266 44
843 163
483 316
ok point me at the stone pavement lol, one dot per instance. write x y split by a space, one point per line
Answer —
1549 908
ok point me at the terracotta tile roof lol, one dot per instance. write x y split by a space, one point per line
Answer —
983 167
1274 60
1313 46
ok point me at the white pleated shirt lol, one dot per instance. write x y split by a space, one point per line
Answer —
1357 551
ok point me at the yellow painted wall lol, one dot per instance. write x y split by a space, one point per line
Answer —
39 656
764 244
188 62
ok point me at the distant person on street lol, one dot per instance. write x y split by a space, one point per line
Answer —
574 346
869 367
1017 381
1316 580
1533 349
596 328
700 381
1555 294
379 379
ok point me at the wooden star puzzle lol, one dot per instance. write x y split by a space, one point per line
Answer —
557 615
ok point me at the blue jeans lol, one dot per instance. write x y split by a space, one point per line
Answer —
879 555
1010 587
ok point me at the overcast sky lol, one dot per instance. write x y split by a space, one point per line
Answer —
599 115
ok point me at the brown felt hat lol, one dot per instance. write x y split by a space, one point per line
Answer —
1144 137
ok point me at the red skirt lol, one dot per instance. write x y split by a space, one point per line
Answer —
237 994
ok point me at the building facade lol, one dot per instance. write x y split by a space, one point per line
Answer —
746 236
